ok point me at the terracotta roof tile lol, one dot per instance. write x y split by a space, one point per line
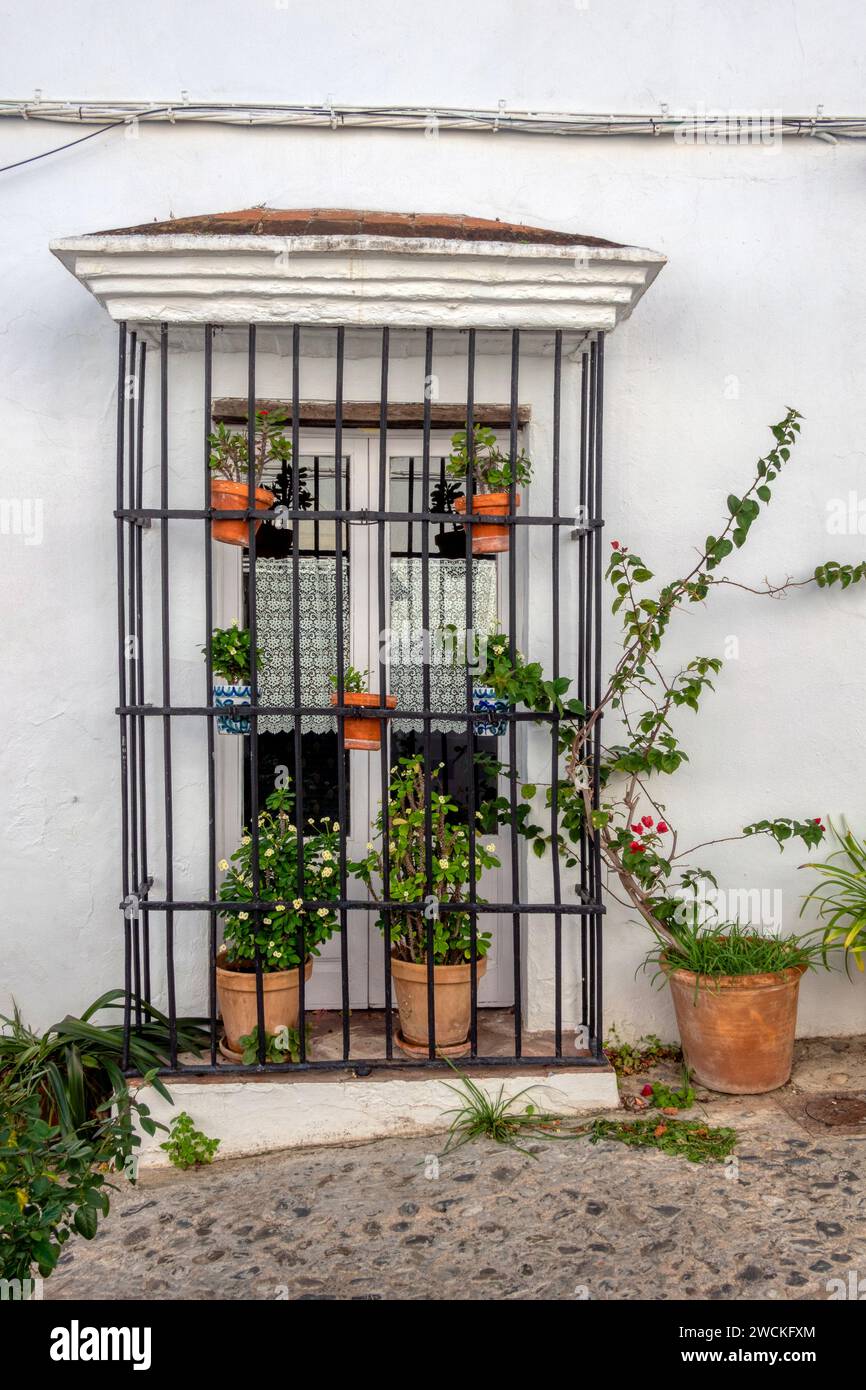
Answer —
347 222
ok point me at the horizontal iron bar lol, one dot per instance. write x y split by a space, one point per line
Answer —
364 517
368 905
354 711
366 1064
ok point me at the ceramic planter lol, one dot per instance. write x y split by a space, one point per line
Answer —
452 994
227 496
737 1031
488 537
486 701
236 990
363 733
229 697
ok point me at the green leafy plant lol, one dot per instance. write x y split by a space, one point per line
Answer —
230 654
279 934
715 950
230 451
627 1059
480 456
665 1097
398 869
519 681
479 1116
186 1146
67 1118
690 1139
354 682
841 897
282 1046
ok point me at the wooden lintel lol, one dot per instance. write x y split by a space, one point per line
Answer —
401 414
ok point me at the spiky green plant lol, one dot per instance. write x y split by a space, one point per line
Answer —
841 897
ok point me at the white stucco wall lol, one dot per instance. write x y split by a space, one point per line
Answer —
760 306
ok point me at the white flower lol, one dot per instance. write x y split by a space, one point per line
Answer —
499 649
245 840
268 853
491 849
443 863
326 854
370 845
326 872
298 904
336 825
323 912
243 916
267 922
224 863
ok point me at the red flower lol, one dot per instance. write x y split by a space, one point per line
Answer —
647 821
647 1091
264 412
615 545
638 829
662 828
636 847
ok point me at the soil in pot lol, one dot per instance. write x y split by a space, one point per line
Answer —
226 495
737 1031
488 537
363 733
452 995
236 990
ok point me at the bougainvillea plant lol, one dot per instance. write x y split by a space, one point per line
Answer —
638 843
230 449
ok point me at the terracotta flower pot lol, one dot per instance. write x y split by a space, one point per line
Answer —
488 537
737 1031
364 733
237 999
226 496
452 997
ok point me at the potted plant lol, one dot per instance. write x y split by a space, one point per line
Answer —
275 541
230 659
735 994
360 732
493 474
230 468
406 882
281 934
450 543
841 897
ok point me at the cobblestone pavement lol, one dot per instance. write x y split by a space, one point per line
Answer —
389 1220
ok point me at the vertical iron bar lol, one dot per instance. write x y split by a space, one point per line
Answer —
582 649
209 735
296 690
469 655
591 600
166 689
410 507
139 690
555 538
252 618
596 765
316 478
384 624
121 685
425 685
133 646
342 809
513 533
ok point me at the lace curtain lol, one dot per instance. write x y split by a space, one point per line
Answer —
318 620
317 578
448 641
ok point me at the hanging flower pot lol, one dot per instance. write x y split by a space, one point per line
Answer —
486 701
365 734
230 664
229 696
489 537
226 496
